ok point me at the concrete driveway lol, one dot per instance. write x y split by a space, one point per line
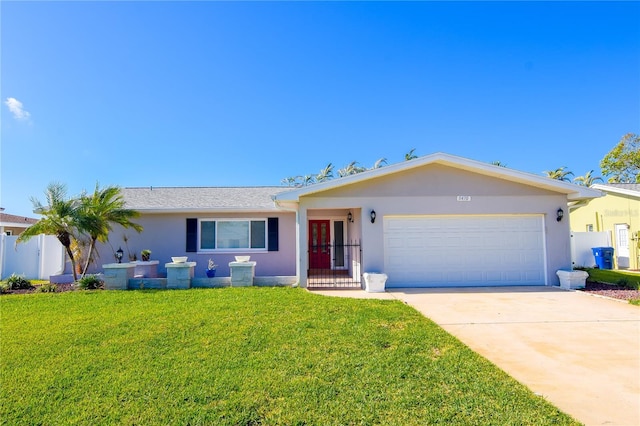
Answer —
581 352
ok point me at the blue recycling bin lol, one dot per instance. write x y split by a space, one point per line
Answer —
604 257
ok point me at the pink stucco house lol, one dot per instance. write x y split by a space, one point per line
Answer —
438 220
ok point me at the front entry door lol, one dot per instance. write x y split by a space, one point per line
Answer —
319 244
622 245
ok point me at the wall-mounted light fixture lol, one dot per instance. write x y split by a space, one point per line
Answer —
373 216
119 254
559 214
350 217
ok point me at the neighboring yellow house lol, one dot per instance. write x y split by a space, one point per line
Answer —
14 225
618 213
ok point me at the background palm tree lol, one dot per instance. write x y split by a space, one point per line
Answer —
289 181
325 174
381 162
351 169
588 179
559 174
498 163
308 180
59 218
98 212
410 155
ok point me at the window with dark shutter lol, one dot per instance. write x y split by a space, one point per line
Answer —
192 235
272 225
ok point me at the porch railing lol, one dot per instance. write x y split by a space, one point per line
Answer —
343 270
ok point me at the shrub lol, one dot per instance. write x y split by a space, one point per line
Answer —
18 282
4 287
624 282
90 282
47 288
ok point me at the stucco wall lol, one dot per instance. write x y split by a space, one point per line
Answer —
432 180
14 230
434 191
603 213
165 236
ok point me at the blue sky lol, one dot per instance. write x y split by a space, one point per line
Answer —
248 93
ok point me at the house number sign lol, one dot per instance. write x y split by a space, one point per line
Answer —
464 198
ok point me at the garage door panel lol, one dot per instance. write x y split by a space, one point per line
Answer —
476 276
464 250
494 276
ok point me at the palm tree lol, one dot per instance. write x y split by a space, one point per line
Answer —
98 212
381 162
308 180
325 174
59 218
588 179
351 169
559 174
410 155
498 163
289 181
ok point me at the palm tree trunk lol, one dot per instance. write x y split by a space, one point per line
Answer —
73 262
86 264
65 240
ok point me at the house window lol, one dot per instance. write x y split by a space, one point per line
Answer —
233 234
590 227
8 233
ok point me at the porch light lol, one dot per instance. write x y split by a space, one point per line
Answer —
373 216
350 217
119 254
559 214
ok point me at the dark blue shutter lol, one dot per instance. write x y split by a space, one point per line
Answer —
272 233
192 235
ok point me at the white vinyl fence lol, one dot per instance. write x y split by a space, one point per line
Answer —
37 258
583 242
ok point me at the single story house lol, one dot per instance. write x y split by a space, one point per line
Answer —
11 224
438 220
618 214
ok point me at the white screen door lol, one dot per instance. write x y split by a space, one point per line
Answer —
622 245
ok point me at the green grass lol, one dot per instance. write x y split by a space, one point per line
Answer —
630 280
244 357
610 276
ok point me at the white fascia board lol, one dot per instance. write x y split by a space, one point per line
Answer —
574 192
616 190
15 224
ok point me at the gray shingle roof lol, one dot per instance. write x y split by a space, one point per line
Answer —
627 186
207 199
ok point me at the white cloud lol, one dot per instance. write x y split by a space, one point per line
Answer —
15 106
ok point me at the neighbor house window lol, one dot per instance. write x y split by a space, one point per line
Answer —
590 227
233 234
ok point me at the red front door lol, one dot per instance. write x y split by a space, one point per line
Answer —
319 244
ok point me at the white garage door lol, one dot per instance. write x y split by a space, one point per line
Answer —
464 251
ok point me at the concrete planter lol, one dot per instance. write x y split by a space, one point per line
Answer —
374 283
117 275
242 273
570 280
179 275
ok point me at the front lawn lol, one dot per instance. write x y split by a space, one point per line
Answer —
244 356
610 276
